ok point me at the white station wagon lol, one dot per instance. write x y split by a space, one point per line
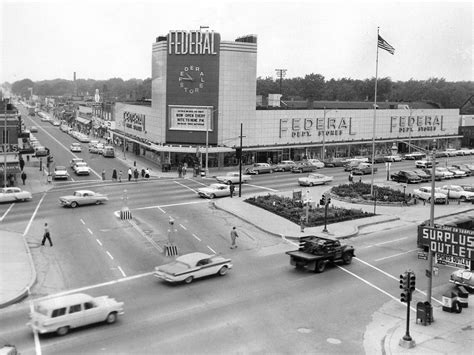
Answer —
62 313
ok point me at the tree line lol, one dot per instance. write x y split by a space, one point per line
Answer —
312 87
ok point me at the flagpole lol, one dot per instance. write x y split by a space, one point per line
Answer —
375 114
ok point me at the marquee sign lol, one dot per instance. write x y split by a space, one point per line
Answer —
456 242
190 118
133 120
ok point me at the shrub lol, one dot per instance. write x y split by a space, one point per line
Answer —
362 191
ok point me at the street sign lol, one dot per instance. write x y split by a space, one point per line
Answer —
422 255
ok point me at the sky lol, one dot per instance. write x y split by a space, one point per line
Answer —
102 39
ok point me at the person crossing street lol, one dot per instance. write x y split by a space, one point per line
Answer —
46 235
233 237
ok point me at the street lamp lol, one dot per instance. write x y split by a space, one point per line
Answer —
429 272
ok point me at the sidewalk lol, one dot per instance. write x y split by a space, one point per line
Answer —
450 333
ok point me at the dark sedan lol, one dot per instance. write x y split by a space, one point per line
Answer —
422 175
363 169
406 176
303 168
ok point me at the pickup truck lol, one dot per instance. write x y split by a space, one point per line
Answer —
315 253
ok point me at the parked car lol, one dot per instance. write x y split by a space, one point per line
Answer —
64 128
438 175
303 167
192 266
60 172
83 197
259 168
349 166
285 165
76 147
363 169
316 162
415 156
215 190
97 148
451 152
393 158
314 179
62 313
469 188
464 278
468 168
456 191
335 162
422 175
82 138
81 168
14 194
233 178
380 159
75 160
458 173
424 163
445 172
33 129
405 176
424 193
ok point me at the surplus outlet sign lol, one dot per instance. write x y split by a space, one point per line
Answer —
456 242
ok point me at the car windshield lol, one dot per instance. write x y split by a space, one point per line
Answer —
60 168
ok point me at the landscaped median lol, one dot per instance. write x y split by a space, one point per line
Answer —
295 210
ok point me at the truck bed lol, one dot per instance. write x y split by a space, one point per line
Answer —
303 255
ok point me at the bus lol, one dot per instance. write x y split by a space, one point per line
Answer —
108 151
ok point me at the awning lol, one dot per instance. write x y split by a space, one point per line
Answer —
84 121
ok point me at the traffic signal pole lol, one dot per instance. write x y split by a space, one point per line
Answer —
407 284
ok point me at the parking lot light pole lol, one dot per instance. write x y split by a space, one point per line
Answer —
429 272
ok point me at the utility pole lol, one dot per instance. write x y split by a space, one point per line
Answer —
240 160
429 272
5 145
281 73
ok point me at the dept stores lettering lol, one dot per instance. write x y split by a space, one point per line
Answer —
135 121
416 123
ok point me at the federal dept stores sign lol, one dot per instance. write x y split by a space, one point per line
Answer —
453 246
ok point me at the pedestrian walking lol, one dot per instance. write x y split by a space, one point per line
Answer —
129 174
180 170
233 237
23 177
22 163
46 235
232 189
184 171
147 173
103 175
143 173
120 176
135 174
351 177
114 175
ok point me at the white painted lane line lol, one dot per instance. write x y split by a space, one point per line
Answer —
392 277
391 241
211 249
110 255
28 226
262 187
183 227
195 236
82 221
187 187
6 212
90 232
162 210
122 271
97 286
35 332
395 255
170 205
99 242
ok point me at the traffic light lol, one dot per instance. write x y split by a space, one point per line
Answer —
238 152
405 297
412 282
329 200
404 281
322 202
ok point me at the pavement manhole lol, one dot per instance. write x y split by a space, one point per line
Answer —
304 330
333 341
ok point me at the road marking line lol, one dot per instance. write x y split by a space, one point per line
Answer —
82 221
183 227
195 236
122 271
6 212
129 278
211 249
98 241
150 240
110 255
391 241
395 255
162 210
262 187
35 332
90 232
171 205
392 277
33 216
189 188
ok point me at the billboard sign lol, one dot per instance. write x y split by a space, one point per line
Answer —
450 260
452 241
190 118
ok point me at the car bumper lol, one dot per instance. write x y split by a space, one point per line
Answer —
164 277
60 177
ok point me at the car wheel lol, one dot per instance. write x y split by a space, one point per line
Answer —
256 172
111 318
212 196
223 270
98 202
74 204
311 184
347 258
188 279
62 331
320 266
463 198
457 307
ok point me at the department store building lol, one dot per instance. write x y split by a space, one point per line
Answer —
204 88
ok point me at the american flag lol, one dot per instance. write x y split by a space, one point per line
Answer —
384 45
